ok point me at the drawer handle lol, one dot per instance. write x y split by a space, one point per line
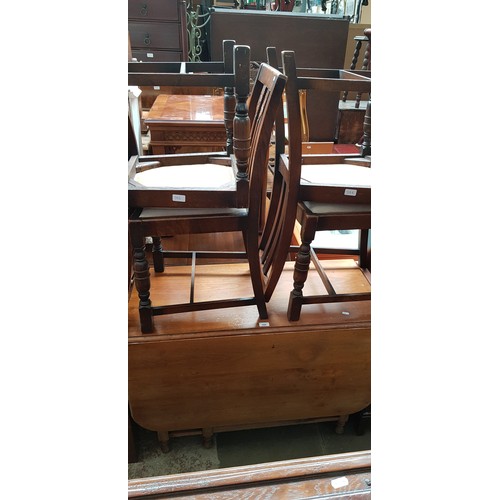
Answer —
144 10
147 39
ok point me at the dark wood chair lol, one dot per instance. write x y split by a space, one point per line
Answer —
215 206
320 192
366 65
193 75
352 106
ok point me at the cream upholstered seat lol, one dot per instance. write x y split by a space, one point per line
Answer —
346 174
199 176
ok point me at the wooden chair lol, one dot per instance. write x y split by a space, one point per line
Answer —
351 107
216 206
195 75
320 192
367 60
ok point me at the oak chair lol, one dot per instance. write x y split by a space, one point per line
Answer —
228 199
320 192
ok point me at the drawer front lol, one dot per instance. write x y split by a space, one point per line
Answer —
144 55
154 10
155 35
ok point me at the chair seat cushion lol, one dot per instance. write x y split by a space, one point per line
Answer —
339 174
155 213
198 176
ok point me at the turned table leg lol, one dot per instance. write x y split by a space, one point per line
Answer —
163 438
339 428
208 437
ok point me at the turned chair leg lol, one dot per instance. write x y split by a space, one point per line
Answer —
300 271
142 284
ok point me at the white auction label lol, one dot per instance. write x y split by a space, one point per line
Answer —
339 482
179 197
350 192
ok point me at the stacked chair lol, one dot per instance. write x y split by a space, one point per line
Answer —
206 193
320 192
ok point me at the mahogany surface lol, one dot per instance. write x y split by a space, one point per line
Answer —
194 122
197 108
343 476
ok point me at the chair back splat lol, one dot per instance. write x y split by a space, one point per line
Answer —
319 192
229 200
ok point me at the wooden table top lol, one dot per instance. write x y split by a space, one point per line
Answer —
174 108
173 286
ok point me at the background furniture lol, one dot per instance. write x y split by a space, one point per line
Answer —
174 78
351 107
186 123
158 30
318 41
